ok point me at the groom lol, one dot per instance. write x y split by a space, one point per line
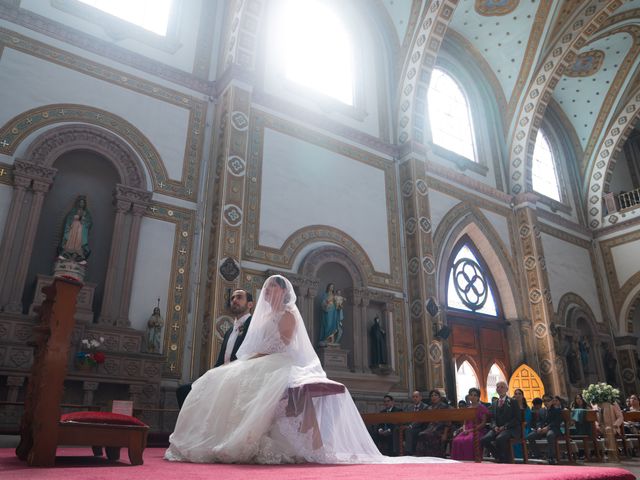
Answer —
241 305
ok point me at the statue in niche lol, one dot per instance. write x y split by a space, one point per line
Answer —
153 338
332 315
75 238
378 343
572 362
583 347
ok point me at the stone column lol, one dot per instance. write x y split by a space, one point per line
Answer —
130 204
89 389
39 188
228 183
137 211
360 345
538 294
13 388
426 351
135 394
32 183
108 313
310 314
387 323
7 249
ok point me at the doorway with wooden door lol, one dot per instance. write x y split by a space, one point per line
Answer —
478 342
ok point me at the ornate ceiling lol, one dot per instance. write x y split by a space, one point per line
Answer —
581 56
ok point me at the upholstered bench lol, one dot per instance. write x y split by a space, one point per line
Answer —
105 429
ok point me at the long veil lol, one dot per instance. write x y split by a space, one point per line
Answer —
317 420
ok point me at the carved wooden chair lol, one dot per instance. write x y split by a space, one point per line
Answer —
42 429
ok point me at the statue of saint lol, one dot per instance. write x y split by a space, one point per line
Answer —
154 331
583 347
572 363
378 344
75 238
330 317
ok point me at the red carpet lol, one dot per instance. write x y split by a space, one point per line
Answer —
74 465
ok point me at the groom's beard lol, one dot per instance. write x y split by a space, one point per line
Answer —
238 310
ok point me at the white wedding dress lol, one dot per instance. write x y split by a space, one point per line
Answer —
259 408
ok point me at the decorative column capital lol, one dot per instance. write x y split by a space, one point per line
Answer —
32 171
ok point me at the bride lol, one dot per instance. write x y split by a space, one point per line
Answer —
275 403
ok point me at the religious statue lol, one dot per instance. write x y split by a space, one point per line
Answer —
154 331
583 347
572 363
378 344
75 238
339 301
331 317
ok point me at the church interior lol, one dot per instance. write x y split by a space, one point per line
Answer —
463 174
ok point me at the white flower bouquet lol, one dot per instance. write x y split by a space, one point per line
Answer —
599 393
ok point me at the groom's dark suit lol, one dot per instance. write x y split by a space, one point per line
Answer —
236 345
183 390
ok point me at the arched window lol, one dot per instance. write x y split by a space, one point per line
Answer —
544 178
449 116
468 288
475 319
315 48
152 15
466 378
495 375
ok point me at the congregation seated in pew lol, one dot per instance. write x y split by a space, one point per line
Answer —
432 440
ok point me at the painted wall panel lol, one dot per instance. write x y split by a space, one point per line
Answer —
625 258
303 184
569 270
152 271
43 83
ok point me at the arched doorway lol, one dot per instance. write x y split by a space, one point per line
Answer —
474 315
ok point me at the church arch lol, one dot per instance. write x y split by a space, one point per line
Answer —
124 202
462 220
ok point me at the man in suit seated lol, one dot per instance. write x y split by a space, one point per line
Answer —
241 303
505 425
386 434
547 426
412 431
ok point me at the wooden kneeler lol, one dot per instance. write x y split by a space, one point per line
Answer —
42 429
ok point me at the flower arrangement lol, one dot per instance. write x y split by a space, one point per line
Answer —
89 354
600 393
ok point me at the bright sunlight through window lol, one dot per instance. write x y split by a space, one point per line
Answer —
449 116
151 15
543 172
316 48
468 288
465 379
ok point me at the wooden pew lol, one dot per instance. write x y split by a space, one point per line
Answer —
628 438
566 437
591 439
459 415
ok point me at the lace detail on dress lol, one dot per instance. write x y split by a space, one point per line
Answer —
286 443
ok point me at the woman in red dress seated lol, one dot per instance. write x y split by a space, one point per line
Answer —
462 445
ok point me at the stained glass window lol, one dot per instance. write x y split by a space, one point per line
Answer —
468 288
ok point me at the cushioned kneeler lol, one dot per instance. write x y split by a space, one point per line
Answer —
105 429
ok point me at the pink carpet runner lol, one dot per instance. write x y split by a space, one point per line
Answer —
77 464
